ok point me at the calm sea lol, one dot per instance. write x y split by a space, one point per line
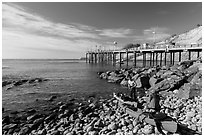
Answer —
67 79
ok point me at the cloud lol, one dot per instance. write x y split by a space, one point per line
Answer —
26 35
120 32
14 17
43 47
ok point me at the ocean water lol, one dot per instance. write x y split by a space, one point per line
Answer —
66 79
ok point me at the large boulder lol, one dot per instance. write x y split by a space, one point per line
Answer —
114 79
189 90
124 82
152 81
104 76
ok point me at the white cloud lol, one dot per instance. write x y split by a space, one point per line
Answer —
45 46
120 32
18 18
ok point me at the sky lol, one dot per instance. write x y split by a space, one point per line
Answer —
66 30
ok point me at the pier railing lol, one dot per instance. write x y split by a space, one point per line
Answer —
153 54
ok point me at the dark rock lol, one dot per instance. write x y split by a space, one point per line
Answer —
37 122
52 98
186 64
51 117
24 131
100 72
31 81
114 79
189 91
33 117
3 110
31 111
145 81
24 80
18 83
73 99
4 83
152 81
10 126
39 80
10 132
56 132
6 120
104 76
14 112
124 82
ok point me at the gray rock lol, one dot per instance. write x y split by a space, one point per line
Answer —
24 131
33 117
52 98
124 82
6 120
10 126
37 122
51 117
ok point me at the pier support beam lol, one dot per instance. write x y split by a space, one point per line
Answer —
153 58
135 58
180 56
198 54
120 58
127 57
86 58
161 59
156 58
150 60
189 57
173 58
95 57
165 58
144 59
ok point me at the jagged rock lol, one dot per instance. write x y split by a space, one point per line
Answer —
51 117
37 122
6 120
112 126
190 114
31 111
20 82
33 117
114 79
189 90
145 81
55 132
104 76
124 82
152 81
4 83
24 131
52 98
10 126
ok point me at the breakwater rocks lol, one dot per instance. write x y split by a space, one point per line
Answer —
179 87
183 79
9 83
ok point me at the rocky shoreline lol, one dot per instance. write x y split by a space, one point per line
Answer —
180 87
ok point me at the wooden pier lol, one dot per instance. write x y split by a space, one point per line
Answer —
153 54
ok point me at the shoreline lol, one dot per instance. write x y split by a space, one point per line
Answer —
95 116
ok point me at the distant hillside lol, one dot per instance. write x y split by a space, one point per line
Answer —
193 36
